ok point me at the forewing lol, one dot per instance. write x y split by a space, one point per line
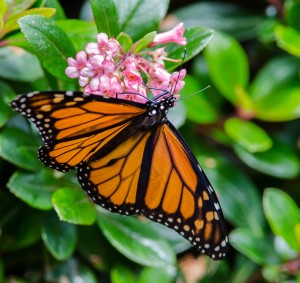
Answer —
178 194
75 126
112 181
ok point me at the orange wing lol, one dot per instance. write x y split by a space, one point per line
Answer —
75 126
155 174
178 194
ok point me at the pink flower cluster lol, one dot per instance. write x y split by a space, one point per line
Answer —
104 68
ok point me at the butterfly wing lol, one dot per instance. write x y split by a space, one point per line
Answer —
155 174
178 194
75 126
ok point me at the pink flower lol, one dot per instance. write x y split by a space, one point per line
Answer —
158 72
104 68
176 80
73 71
131 75
175 35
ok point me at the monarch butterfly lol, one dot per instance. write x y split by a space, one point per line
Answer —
130 159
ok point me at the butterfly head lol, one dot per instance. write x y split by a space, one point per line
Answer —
157 110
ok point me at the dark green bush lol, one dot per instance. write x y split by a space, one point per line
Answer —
244 131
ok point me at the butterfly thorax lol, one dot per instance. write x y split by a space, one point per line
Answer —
157 111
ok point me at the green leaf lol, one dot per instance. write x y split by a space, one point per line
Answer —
73 206
233 19
19 148
122 274
248 135
277 99
7 94
284 73
197 39
157 275
79 32
35 189
12 24
21 228
49 42
59 237
288 39
18 6
279 161
227 179
17 64
18 39
60 14
282 105
136 240
72 270
138 18
282 214
3 8
125 41
198 108
144 42
106 16
291 13
259 250
228 66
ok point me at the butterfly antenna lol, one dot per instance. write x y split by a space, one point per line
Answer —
203 89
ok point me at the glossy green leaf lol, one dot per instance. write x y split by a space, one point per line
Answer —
18 64
198 108
228 66
18 6
106 16
136 240
279 161
7 93
12 24
35 189
79 32
225 16
157 275
282 214
138 18
49 42
20 228
234 188
259 250
73 206
144 42
284 73
19 148
288 39
122 274
125 41
197 39
247 134
59 237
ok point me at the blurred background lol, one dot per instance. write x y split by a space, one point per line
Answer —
244 131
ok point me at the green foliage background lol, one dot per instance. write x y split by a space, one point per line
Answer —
244 130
